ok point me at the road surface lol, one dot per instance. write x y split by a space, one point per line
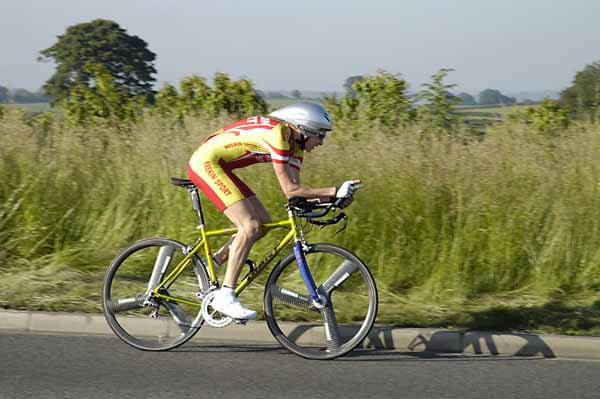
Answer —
88 367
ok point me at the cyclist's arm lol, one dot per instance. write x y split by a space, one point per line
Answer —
289 180
294 174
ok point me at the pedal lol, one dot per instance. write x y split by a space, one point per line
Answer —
241 322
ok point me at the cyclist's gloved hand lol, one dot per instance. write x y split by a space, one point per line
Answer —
347 189
344 202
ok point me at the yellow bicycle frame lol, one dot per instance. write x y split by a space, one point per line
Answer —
203 243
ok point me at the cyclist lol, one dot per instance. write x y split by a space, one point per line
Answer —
280 139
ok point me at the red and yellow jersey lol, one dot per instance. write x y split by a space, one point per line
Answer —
249 141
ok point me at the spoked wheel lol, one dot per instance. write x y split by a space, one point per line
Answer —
344 280
134 314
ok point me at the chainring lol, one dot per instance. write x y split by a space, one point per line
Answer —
212 317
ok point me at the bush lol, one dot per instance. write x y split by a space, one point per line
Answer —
438 103
378 100
103 102
582 98
549 117
196 98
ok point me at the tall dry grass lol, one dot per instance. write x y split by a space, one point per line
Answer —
441 219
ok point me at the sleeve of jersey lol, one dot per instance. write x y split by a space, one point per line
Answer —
296 158
278 144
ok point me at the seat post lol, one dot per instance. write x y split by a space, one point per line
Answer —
196 205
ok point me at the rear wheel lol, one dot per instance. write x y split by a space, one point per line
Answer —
134 314
346 319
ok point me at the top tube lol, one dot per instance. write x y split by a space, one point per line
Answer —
232 230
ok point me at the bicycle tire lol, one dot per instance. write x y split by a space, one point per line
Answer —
125 291
351 297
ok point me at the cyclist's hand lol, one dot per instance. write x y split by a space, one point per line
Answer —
347 189
344 203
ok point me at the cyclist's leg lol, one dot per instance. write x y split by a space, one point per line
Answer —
248 222
223 253
260 210
231 196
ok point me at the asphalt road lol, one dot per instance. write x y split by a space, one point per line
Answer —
46 366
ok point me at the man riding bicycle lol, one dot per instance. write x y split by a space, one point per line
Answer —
280 139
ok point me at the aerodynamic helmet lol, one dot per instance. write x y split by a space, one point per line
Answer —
308 118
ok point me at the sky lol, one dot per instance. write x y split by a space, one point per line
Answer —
510 45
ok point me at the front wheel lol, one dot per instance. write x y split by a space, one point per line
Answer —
318 332
141 319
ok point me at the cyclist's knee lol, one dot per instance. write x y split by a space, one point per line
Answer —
251 229
262 229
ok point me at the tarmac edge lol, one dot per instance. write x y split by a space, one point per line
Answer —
380 337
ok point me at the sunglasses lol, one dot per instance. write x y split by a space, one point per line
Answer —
322 133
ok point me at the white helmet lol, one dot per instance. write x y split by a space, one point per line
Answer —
309 118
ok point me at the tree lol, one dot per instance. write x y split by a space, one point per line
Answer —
168 104
349 82
104 102
380 99
494 97
296 94
549 117
438 101
25 96
583 96
234 97
194 94
274 95
104 43
4 94
467 99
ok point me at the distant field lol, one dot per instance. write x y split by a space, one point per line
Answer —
479 116
30 107
489 112
473 113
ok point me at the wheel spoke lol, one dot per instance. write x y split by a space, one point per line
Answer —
290 297
128 294
177 313
340 321
331 328
126 304
340 275
165 254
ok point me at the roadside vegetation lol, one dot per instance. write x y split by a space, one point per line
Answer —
491 225
494 231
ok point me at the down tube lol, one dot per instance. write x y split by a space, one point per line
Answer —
305 271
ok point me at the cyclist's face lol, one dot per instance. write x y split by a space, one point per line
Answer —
313 141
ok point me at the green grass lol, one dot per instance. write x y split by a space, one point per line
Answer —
495 233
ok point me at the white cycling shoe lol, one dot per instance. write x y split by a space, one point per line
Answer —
228 304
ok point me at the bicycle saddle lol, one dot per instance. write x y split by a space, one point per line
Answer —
182 182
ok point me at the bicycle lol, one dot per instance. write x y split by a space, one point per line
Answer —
157 292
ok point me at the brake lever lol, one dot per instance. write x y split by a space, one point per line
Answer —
345 217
